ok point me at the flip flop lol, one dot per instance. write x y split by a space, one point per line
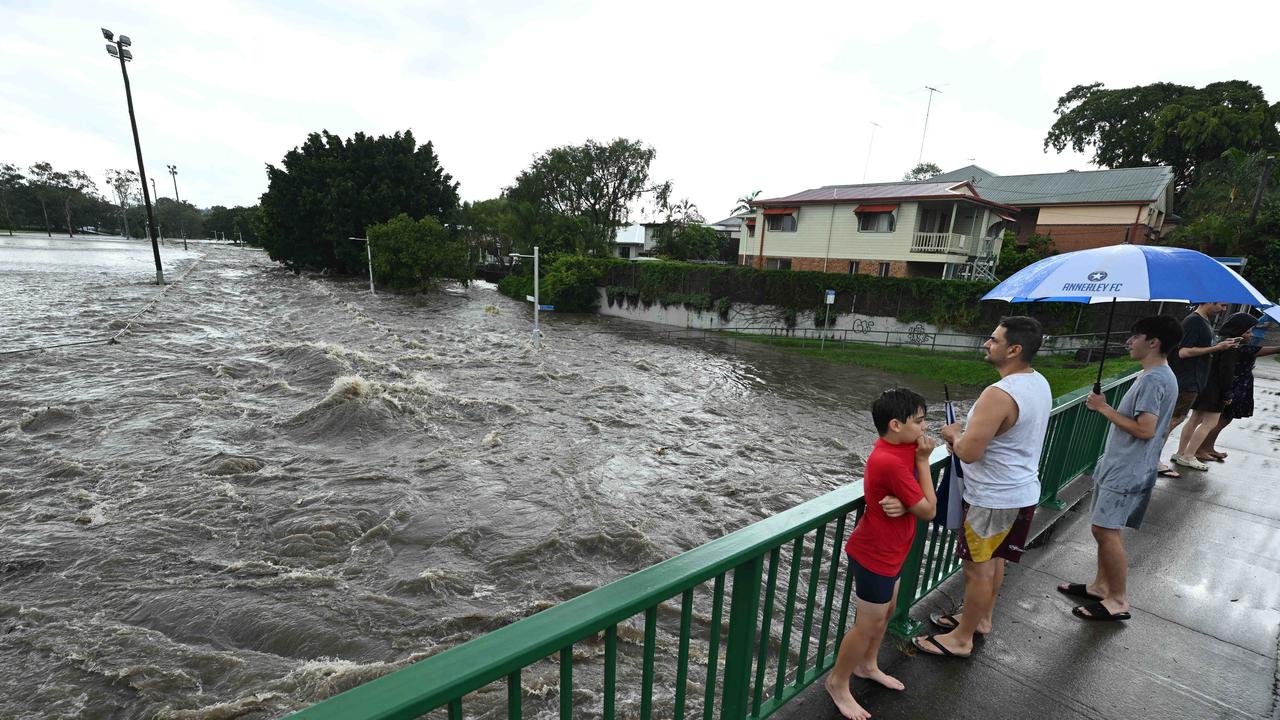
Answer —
1209 457
948 622
1219 455
1169 473
1078 590
1098 612
941 650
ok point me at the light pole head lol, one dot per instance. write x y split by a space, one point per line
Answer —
124 53
173 169
112 51
125 41
108 35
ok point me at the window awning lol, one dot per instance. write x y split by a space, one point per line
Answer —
751 221
1006 216
875 208
781 211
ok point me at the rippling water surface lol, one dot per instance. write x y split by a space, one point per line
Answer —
279 486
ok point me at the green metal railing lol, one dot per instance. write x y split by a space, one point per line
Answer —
777 582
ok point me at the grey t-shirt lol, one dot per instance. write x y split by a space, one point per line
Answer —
1128 465
1193 373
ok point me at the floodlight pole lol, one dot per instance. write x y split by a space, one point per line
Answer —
182 226
122 53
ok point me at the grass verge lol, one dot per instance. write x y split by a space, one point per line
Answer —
957 368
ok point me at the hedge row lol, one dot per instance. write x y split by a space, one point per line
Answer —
952 304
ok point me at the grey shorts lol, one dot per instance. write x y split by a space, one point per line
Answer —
1115 510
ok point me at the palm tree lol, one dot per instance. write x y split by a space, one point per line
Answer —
744 203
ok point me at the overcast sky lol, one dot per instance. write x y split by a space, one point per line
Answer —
735 96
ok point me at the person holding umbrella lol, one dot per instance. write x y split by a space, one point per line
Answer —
1125 476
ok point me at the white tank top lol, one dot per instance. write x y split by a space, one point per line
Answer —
1008 473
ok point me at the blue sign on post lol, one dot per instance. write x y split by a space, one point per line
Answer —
544 308
831 297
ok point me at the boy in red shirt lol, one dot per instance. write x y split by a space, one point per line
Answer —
898 466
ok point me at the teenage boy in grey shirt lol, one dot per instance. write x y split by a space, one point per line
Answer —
1126 474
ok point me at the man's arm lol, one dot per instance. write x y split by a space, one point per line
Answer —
994 411
1272 350
1143 427
1190 352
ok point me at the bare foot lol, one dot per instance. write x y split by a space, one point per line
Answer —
875 674
840 695
983 628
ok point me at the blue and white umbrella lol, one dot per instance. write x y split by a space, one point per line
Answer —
1129 273
1273 312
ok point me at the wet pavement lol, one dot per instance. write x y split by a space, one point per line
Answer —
1204 581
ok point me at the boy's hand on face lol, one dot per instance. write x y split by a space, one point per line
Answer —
892 506
925 446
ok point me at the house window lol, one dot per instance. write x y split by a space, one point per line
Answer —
624 251
781 223
777 263
875 222
751 229
884 269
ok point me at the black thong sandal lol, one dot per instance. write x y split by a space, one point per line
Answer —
1078 590
1098 612
948 622
941 650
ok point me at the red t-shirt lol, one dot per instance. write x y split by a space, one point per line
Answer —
880 543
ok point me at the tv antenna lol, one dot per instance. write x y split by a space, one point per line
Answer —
874 126
928 107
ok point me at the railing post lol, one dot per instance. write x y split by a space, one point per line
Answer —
744 605
901 624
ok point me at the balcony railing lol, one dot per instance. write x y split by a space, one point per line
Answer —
651 644
945 243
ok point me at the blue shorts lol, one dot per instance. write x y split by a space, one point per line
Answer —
872 587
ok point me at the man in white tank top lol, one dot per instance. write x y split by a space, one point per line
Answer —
999 450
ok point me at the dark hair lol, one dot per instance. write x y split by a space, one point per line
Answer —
895 404
1160 327
1237 324
1024 331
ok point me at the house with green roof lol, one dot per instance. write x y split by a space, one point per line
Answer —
952 225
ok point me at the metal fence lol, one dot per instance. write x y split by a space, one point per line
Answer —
734 628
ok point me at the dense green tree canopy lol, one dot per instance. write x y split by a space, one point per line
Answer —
330 189
1164 123
922 171
411 254
573 198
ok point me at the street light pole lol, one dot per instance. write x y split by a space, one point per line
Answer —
119 48
182 227
537 299
368 249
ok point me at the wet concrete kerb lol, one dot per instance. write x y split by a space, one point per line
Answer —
1205 587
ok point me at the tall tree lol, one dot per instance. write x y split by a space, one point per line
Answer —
330 189
489 228
123 184
1164 123
44 182
922 171
10 180
589 188
744 202
77 187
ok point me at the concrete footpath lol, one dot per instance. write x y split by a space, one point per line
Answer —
1204 581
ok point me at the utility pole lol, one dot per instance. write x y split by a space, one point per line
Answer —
1262 185
119 48
927 109
182 226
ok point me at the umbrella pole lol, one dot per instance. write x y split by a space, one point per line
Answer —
1097 385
